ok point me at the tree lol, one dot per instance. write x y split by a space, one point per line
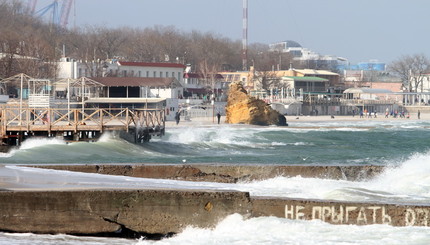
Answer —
266 79
411 69
209 74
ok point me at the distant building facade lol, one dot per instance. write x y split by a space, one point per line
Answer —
306 56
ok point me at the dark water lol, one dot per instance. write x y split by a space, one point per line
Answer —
330 143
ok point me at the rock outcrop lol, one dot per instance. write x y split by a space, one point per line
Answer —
242 108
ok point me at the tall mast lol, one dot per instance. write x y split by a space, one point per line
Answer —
245 36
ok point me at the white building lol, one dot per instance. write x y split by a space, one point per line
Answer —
130 80
70 68
306 55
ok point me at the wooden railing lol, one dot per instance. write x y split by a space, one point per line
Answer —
98 119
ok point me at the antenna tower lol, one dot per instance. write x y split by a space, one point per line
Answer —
245 36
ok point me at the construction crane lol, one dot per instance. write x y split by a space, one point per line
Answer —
54 7
60 18
65 12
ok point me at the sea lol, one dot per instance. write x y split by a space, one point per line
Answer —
402 145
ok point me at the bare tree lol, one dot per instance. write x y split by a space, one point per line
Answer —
266 79
411 69
209 74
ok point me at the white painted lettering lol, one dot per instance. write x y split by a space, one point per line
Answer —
374 209
326 213
349 209
299 215
386 219
337 217
289 213
410 217
361 217
316 210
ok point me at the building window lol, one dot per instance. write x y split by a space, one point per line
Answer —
173 74
154 74
179 76
161 74
147 73
140 73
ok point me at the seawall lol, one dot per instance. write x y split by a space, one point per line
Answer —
94 212
157 213
225 173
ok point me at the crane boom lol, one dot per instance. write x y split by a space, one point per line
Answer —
65 12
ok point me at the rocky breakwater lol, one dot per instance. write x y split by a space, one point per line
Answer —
244 109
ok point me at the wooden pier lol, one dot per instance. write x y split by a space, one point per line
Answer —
135 125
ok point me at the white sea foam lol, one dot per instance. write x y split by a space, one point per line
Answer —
270 230
37 142
208 135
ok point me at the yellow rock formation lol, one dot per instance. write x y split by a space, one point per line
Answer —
242 108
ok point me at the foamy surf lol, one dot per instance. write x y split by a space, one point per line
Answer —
235 229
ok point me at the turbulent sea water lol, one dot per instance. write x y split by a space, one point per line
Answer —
403 145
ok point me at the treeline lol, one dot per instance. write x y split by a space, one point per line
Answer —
30 45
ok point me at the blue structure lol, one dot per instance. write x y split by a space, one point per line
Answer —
364 66
55 13
371 66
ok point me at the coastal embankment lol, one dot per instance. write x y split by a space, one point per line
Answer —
77 207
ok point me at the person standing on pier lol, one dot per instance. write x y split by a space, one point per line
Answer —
218 116
177 117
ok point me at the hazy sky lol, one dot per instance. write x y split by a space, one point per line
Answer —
358 30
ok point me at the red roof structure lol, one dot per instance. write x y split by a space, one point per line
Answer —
149 64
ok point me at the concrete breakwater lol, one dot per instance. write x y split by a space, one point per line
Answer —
225 173
160 212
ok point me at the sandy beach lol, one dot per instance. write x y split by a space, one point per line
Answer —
199 121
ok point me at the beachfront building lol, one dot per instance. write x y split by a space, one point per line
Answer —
123 83
71 68
199 86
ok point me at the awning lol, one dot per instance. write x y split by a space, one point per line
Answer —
124 100
367 91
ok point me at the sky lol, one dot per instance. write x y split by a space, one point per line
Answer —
358 30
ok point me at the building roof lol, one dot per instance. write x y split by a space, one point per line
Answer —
149 64
367 91
198 75
292 44
135 81
306 79
316 72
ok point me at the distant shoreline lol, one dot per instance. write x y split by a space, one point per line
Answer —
209 121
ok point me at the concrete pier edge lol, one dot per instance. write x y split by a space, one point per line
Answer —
166 212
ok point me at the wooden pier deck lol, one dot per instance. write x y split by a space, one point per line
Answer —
135 125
